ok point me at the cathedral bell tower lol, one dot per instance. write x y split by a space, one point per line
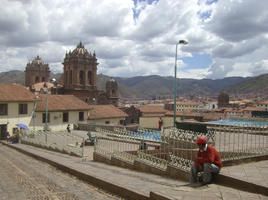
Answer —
36 71
112 91
80 69
223 100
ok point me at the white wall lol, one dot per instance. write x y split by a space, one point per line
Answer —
13 116
56 120
103 121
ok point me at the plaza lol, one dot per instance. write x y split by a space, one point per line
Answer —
239 180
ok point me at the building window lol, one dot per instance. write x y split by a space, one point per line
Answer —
81 116
65 117
3 109
23 108
44 118
107 122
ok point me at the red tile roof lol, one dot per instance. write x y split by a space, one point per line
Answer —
152 109
106 111
265 102
154 105
60 103
39 86
254 108
189 103
154 115
15 92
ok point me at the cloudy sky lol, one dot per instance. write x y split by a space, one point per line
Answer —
138 37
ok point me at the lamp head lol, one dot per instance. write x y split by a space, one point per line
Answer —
183 42
53 80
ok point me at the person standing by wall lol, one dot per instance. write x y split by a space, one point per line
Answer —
69 128
159 123
8 136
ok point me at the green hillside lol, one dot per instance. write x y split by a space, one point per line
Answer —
258 83
144 86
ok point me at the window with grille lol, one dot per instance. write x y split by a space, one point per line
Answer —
81 116
65 117
3 109
23 108
44 118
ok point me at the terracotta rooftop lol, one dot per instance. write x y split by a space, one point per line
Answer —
254 109
77 93
233 110
105 111
152 109
263 102
154 105
15 92
154 115
186 103
60 103
40 85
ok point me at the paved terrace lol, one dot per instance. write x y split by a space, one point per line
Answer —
137 185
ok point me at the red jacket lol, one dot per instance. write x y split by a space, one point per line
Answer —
209 156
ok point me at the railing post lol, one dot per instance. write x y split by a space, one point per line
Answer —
83 147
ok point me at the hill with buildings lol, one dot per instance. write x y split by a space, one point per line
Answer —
144 86
152 85
258 83
17 76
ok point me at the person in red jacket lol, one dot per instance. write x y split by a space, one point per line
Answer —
159 123
208 160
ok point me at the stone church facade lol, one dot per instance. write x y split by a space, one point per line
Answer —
36 71
79 78
223 100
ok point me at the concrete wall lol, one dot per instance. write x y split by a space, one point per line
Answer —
152 122
110 120
90 127
171 172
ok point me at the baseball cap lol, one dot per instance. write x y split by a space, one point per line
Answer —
201 140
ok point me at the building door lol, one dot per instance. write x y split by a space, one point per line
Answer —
3 131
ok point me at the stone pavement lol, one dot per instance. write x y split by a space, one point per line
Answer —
137 185
23 177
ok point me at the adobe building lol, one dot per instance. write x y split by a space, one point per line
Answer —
134 114
79 78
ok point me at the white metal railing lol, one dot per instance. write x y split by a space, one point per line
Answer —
177 146
152 160
125 156
55 140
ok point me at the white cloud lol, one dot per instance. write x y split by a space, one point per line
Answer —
135 40
259 67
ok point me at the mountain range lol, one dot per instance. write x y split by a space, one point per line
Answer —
151 86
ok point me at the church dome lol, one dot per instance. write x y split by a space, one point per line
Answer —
224 94
80 49
112 80
37 64
37 61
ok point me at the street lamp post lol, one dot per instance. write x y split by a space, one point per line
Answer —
34 112
175 81
183 109
53 80
95 115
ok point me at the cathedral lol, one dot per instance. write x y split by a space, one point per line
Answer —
223 100
79 78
